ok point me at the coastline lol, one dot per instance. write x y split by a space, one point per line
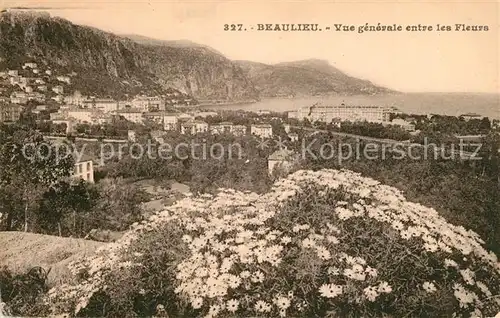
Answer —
227 103
447 103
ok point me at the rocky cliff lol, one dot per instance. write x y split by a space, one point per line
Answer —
115 66
107 64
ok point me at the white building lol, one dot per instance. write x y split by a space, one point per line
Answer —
9 112
13 72
156 117
132 136
156 103
132 115
80 115
123 104
64 79
58 89
262 130
287 128
342 112
140 103
403 124
194 127
239 130
221 128
60 115
18 98
149 103
263 112
40 108
100 117
30 65
23 81
293 137
84 168
14 80
36 96
185 117
76 99
170 121
200 126
58 98
105 105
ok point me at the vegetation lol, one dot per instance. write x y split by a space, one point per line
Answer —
38 195
205 162
20 293
465 192
454 125
319 244
375 130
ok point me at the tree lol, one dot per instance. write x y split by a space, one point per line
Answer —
485 124
30 165
63 205
490 156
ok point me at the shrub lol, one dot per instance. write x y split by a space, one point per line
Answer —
319 244
19 294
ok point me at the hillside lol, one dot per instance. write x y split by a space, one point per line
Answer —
23 251
326 243
174 43
306 78
107 64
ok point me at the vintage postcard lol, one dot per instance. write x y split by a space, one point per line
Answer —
249 158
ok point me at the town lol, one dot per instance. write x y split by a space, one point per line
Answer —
72 204
60 113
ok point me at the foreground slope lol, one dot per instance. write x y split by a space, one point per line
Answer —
22 251
319 244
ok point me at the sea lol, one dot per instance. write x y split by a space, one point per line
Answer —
452 104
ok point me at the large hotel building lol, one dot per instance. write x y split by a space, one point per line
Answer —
342 112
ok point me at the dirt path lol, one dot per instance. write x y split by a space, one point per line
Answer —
21 251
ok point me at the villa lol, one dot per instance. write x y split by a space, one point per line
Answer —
84 168
131 114
262 130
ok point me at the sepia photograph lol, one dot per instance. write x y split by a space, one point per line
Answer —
249 158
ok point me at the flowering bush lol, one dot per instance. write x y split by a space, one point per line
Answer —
326 243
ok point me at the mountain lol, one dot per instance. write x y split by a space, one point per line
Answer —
110 65
306 78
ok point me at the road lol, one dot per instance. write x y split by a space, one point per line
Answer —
464 155
60 138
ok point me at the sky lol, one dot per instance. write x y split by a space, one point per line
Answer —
426 61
